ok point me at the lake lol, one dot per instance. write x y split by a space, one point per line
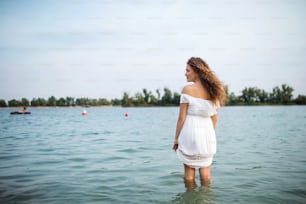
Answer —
56 155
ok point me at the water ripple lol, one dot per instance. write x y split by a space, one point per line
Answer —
62 157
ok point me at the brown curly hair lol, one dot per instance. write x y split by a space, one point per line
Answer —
208 79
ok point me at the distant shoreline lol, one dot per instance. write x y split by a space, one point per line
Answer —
250 96
28 107
119 106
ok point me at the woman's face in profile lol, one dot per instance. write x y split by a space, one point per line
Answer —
190 74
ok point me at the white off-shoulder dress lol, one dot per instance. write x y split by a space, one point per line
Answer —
197 139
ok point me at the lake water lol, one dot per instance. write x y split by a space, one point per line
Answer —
55 155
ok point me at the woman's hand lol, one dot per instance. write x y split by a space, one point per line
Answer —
175 146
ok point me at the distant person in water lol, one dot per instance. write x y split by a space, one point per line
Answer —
24 110
195 139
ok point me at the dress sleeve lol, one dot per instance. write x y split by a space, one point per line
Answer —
184 99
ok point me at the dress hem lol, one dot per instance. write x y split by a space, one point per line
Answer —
194 161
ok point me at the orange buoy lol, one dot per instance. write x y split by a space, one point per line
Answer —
84 113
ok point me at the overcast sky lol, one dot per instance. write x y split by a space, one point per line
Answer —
101 48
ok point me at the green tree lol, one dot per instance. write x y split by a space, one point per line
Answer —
232 99
146 96
275 96
287 93
51 101
103 102
139 100
116 102
281 95
24 102
3 103
167 97
176 98
262 95
38 102
249 95
34 102
93 102
14 103
82 102
70 101
42 101
126 100
61 102
153 100
300 100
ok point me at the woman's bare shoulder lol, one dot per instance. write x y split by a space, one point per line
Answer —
195 91
189 89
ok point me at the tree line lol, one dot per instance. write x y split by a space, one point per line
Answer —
282 95
144 98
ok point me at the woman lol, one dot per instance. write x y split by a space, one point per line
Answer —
195 139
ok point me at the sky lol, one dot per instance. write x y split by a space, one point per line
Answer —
102 48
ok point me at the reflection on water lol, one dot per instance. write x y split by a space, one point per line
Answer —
190 185
196 194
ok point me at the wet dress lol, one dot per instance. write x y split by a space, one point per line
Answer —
197 139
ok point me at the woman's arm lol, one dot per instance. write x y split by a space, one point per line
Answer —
214 120
180 122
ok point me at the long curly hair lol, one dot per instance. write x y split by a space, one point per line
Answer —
209 80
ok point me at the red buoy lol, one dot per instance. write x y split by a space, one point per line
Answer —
84 113
126 114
